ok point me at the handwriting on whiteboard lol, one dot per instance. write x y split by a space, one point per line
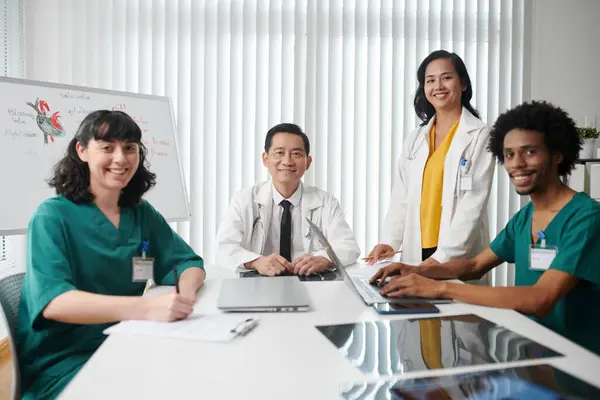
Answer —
77 96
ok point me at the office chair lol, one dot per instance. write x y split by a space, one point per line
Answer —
10 295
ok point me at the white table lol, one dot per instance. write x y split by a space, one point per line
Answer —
285 357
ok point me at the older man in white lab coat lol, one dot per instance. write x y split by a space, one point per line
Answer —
265 228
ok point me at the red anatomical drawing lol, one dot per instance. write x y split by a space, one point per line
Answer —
49 125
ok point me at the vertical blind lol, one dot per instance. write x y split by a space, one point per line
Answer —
12 64
344 70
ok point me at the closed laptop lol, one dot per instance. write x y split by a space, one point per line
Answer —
272 294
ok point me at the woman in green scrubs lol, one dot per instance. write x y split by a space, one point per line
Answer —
80 247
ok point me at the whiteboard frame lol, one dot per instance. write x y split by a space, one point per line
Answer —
32 82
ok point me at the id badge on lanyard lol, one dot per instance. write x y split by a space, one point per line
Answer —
541 257
142 268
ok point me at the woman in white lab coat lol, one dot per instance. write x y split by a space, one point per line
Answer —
439 198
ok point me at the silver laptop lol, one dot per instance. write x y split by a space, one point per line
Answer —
361 286
281 293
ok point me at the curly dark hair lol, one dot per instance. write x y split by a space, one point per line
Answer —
71 176
423 107
559 130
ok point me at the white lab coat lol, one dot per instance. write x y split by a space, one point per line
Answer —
463 226
242 233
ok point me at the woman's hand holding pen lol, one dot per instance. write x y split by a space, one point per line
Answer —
168 307
380 252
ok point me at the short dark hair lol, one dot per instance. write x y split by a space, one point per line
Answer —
423 107
559 130
71 176
286 128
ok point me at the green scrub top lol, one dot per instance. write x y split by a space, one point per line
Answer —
575 233
75 247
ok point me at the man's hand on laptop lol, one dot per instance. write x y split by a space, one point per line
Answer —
414 285
308 264
271 265
392 270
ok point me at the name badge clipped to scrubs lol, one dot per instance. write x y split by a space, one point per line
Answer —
541 257
466 178
142 267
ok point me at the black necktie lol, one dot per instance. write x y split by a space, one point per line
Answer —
285 238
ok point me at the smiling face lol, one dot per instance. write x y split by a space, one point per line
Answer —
528 162
112 164
442 86
286 159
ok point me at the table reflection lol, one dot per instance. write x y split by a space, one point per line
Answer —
390 347
538 382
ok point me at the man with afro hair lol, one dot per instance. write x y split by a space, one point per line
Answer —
554 241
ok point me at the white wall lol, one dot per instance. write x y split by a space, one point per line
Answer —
566 56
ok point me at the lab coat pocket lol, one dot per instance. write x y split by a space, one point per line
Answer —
464 184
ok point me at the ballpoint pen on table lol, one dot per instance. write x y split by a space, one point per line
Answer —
245 326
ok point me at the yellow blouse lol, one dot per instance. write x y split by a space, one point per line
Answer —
431 194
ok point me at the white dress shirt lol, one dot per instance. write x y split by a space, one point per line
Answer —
273 237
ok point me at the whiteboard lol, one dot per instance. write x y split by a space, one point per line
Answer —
28 155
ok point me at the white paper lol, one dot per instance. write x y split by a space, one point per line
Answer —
213 328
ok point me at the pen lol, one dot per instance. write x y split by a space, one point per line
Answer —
245 326
384 256
248 327
176 279
542 237
387 255
144 248
148 286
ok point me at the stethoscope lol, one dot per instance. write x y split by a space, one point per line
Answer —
412 152
258 220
